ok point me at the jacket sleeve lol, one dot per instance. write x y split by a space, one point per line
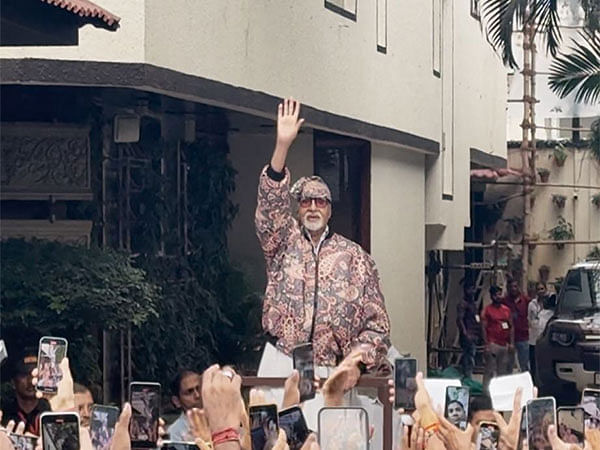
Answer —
273 217
375 335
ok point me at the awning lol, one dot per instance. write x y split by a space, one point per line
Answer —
85 8
494 174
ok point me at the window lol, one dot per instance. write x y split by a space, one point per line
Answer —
476 9
346 8
382 26
437 37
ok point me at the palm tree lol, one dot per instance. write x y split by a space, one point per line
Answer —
578 70
503 17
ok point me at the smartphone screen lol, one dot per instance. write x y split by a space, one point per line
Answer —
571 428
304 364
405 371
175 445
590 402
457 406
21 442
540 415
264 426
488 436
145 410
51 352
102 425
293 423
343 428
60 431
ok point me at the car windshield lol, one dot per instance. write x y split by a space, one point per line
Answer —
581 290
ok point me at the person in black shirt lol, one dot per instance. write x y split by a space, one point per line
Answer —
25 407
467 321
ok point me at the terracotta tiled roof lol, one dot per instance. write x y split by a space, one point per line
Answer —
85 8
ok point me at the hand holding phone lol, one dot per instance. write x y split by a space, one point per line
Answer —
21 442
405 384
304 363
343 428
51 352
145 411
264 426
60 431
457 406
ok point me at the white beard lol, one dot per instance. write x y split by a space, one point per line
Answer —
313 225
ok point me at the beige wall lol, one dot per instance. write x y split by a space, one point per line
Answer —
579 168
398 243
474 115
249 152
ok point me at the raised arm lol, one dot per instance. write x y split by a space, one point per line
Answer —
273 218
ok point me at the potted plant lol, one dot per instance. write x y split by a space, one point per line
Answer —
534 237
594 253
559 200
559 154
544 174
544 272
596 200
563 231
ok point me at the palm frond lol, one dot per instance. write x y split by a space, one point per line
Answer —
578 70
544 17
501 17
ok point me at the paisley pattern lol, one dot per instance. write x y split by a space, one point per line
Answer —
350 305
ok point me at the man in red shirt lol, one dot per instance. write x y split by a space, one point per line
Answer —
518 304
498 335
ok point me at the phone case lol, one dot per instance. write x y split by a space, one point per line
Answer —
341 432
49 374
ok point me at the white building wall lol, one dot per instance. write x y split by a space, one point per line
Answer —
398 243
474 114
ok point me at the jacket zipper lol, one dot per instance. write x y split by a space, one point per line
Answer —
315 297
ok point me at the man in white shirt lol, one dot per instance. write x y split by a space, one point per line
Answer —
187 394
538 313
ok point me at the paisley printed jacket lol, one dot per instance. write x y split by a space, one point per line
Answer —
341 282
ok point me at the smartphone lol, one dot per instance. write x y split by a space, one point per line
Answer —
457 406
304 364
145 411
60 431
102 425
21 442
176 445
51 352
571 425
405 371
264 426
293 423
343 428
541 413
590 402
488 436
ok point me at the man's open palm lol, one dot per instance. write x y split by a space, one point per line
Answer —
287 121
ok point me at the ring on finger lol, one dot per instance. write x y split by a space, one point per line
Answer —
228 373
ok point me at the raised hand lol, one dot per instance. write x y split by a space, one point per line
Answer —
454 438
557 443
222 399
288 123
120 439
64 400
288 126
509 432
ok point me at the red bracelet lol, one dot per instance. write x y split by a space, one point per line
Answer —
226 435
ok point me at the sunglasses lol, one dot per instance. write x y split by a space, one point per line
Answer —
320 202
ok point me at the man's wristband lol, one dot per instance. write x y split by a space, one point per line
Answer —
227 435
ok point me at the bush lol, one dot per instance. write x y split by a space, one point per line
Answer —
54 289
